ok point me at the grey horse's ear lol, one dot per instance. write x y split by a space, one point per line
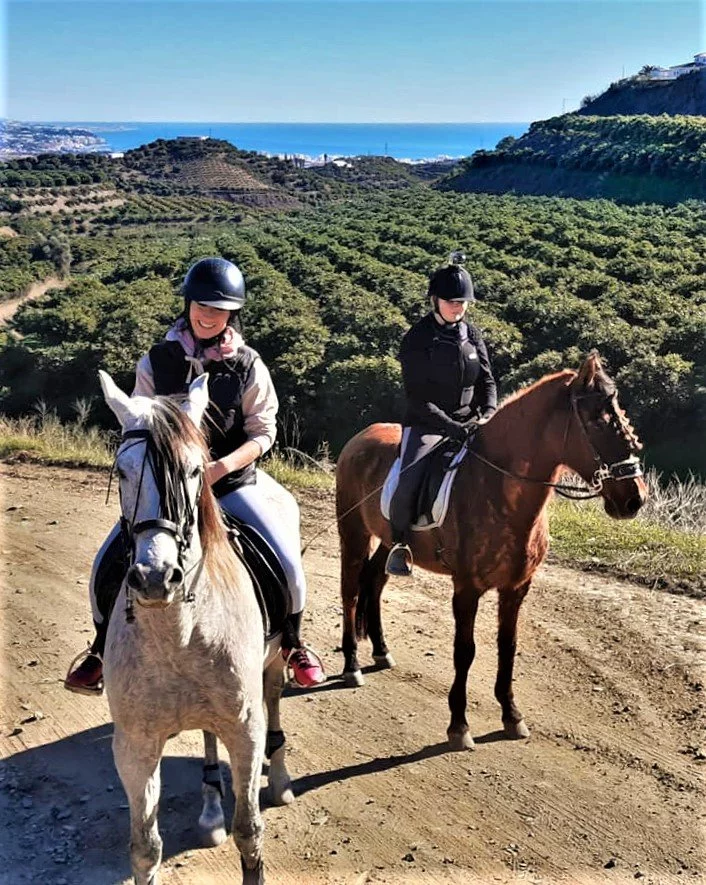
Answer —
117 399
197 399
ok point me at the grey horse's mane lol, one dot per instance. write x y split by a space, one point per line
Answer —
172 433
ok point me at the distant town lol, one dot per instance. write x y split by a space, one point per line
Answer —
29 139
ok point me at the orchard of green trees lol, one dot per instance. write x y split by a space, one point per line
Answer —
331 291
653 148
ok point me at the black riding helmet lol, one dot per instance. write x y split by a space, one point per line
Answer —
452 282
214 282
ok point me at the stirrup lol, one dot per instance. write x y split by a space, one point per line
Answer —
399 561
291 679
97 688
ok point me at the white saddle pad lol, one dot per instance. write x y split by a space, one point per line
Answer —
441 502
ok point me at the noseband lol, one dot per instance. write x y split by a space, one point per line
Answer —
628 468
129 529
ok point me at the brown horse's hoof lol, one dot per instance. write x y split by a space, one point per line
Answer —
385 662
461 740
516 730
353 678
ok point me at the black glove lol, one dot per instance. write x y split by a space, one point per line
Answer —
457 431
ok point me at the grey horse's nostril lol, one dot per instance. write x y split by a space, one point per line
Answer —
176 577
135 578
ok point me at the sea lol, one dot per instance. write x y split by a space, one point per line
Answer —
413 142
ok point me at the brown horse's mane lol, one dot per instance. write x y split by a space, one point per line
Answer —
173 432
599 380
565 374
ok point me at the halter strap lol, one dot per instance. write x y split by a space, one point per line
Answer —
129 528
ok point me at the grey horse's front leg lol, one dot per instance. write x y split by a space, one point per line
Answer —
246 747
279 781
138 766
211 822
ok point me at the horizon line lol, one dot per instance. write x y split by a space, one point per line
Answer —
283 122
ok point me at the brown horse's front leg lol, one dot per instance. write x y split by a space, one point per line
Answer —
465 607
509 602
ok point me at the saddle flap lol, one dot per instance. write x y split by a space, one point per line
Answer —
265 570
434 491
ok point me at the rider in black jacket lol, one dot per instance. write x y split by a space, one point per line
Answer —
449 386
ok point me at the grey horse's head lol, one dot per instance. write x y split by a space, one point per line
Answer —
159 465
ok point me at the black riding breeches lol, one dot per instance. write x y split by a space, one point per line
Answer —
416 444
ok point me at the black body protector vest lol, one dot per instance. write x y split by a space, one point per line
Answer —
441 366
454 370
223 421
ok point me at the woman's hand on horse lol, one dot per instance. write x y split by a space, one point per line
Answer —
215 470
458 431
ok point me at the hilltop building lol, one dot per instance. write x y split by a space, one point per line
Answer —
698 64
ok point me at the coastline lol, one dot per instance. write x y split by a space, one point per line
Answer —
313 143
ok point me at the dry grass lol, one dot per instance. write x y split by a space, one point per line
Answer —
664 546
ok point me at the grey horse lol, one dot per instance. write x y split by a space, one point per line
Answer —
185 646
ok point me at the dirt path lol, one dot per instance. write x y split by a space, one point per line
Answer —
609 788
8 308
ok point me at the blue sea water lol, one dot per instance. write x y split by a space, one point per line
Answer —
404 141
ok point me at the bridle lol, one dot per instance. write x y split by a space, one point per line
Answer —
628 468
181 532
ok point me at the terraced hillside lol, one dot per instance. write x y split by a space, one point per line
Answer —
632 159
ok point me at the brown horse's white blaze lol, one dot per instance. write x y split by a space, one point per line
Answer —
495 533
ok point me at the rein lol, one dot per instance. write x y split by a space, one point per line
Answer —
628 468
129 529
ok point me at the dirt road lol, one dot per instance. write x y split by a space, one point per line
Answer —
8 308
608 789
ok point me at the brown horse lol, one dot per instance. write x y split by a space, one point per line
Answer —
495 532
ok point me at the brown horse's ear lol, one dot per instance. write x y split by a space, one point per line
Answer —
590 368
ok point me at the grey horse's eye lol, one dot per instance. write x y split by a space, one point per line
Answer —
195 472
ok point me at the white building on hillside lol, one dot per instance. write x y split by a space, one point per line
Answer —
699 63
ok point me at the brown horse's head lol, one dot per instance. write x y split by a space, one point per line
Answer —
603 445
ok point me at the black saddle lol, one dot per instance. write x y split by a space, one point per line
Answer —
438 463
262 564
265 570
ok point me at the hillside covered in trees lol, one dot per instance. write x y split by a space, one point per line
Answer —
633 159
209 167
333 287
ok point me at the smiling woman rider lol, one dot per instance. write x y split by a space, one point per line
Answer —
241 425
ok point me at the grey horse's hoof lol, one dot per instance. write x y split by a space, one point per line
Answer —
385 662
255 876
353 678
461 740
516 730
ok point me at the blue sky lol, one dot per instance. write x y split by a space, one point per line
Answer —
328 61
